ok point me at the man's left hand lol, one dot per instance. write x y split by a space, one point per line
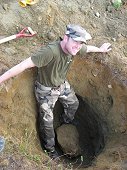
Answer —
106 47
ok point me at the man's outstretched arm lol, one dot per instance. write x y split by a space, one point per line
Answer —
106 47
19 68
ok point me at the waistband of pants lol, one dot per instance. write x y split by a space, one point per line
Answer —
45 87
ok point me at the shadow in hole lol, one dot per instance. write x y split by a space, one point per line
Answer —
93 131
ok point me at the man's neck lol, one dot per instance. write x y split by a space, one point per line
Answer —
62 44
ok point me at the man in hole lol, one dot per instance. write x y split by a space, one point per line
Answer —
53 61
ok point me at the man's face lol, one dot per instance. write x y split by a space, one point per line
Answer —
73 46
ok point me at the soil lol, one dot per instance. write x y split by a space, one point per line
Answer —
100 79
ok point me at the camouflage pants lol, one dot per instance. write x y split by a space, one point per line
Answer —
46 98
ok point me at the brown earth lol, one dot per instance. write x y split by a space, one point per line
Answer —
100 79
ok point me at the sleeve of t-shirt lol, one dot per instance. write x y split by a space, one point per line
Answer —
83 50
42 57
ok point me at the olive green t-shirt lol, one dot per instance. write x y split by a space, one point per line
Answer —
53 64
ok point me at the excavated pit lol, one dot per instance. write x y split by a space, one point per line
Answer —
101 114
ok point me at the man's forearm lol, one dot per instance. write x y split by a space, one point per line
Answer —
11 73
106 47
93 49
17 69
